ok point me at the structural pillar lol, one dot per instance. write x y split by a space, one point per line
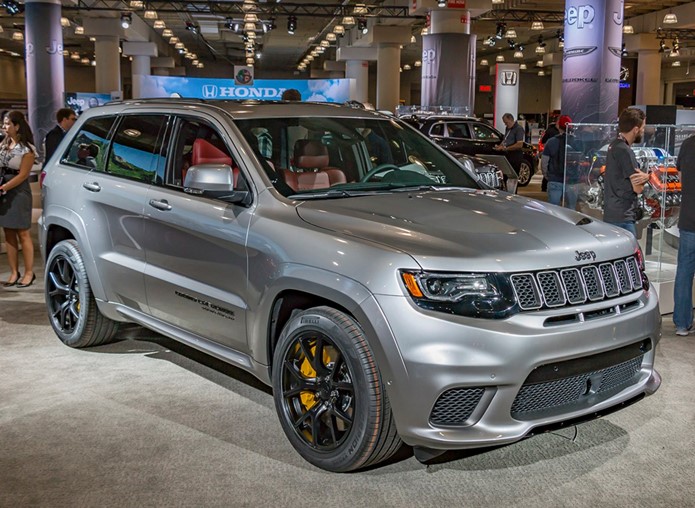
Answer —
648 79
141 53
554 61
358 71
388 77
44 66
591 69
107 32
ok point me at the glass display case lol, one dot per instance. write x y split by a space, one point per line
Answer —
658 204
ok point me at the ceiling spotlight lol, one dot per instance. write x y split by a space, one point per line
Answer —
331 37
484 62
561 35
249 27
17 36
137 4
250 18
677 63
497 1
490 41
150 14
167 32
126 20
424 31
441 3
12 7
669 19
249 60
407 67
173 40
540 49
663 47
413 39
159 25
518 54
348 20
339 30
192 27
623 51
79 30
269 25
64 22
201 65
541 73
362 25
522 67
418 63
500 31
510 34
628 29
539 63
499 58
537 25
291 24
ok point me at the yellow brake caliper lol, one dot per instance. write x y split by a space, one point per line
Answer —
309 398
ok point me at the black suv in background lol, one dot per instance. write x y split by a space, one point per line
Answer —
471 136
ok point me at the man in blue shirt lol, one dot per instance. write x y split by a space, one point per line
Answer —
513 141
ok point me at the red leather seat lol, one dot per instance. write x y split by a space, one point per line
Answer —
313 155
308 180
205 152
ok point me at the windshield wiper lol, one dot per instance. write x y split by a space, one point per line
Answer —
327 194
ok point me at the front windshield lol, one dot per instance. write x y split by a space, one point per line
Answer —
307 157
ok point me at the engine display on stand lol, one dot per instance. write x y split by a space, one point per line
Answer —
659 202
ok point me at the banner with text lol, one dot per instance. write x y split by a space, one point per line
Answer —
591 66
312 90
448 70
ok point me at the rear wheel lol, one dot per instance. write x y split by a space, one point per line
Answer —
328 392
525 173
72 310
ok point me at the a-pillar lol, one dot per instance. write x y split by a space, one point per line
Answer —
648 82
107 32
357 69
44 65
141 53
554 61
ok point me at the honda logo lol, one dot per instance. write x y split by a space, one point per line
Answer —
508 78
209 91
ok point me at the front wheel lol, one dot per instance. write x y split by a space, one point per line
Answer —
525 173
328 392
72 310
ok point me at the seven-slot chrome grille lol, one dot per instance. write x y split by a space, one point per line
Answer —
576 285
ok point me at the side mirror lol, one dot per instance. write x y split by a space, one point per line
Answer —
215 181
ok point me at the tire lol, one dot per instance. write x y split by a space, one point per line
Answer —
72 309
335 411
525 173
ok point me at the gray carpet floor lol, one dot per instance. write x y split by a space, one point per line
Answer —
147 422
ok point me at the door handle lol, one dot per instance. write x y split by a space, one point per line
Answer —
162 205
92 186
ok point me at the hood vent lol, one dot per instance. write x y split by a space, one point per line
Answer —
584 221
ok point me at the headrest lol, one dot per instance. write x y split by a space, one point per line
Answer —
309 153
205 152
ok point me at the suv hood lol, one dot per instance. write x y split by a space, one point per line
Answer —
490 230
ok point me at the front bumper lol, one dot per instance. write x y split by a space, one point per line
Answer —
491 360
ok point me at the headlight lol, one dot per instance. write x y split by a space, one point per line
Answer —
484 295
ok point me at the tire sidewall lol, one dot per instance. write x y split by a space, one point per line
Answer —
529 173
69 251
353 449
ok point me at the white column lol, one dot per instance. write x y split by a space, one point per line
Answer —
450 21
648 80
556 88
358 70
388 86
141 53
108 69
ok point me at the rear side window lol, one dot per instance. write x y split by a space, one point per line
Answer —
481 131
89 147
136 147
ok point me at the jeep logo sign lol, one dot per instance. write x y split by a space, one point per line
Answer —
580 15
508 78
428 56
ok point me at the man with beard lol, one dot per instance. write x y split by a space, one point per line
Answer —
623 180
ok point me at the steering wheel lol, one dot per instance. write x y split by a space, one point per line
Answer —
379 169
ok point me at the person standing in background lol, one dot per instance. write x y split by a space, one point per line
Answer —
17 155
66 118
513 141
553 166
623 180
685 269
548 134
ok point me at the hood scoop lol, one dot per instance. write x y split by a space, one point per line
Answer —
584 221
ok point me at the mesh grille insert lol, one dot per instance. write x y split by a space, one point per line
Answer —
455 406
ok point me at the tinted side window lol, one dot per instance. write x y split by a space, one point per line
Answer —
136 147
437 129
90 146
481 131
457 130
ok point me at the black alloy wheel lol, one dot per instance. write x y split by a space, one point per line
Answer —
72 309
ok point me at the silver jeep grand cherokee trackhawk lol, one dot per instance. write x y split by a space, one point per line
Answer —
341 257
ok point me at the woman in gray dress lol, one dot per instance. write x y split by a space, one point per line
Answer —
17 155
